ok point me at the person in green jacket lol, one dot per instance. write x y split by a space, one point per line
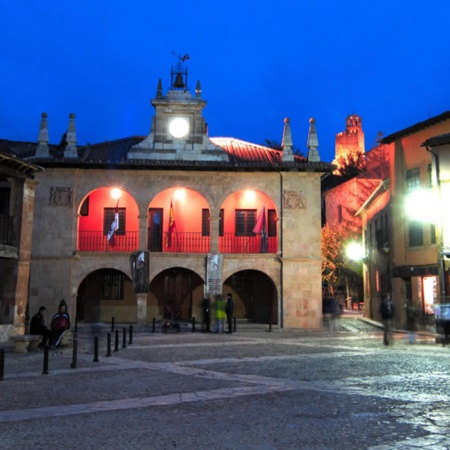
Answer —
219 313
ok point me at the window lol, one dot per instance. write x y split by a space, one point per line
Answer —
272 222
339 213
206 222
108 217
415 233
245 222
112 285
412 180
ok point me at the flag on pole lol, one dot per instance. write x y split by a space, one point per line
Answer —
261 229
172 225
114 225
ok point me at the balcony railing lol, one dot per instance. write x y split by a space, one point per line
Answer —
6 227
95 241
230 243
186 242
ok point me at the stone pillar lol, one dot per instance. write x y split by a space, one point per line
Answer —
143 232
214 233
141 300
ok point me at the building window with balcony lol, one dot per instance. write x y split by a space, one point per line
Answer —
108 218
340 214
221 223
432 233
206 222
245 222
112 285
271 223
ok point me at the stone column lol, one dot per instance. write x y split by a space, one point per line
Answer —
143 244
214 233
141 300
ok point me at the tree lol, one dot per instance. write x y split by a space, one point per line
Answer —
337 268
351 165
277 146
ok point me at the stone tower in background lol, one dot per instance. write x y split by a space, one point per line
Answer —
351 140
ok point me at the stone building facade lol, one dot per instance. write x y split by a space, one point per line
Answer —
192 216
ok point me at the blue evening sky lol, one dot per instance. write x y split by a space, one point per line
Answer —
258 62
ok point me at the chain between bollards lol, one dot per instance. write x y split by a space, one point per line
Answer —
2 363
45 368
108 344
74 351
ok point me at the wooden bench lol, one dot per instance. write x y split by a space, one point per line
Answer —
26 342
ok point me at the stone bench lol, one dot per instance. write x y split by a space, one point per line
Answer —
66 339
26 342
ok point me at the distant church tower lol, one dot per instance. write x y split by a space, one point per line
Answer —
351 140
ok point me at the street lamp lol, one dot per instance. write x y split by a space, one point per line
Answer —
355 251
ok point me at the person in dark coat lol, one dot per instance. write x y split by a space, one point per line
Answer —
38 326
60 323
229 309
206 314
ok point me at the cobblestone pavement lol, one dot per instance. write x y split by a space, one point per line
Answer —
248 390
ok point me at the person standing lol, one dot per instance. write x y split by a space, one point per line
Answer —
387 315
206 315
59 324
219 314
229 309
38 326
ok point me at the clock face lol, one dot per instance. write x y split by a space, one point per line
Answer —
179 127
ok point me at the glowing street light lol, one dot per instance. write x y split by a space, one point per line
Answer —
354 251
115 193
422 206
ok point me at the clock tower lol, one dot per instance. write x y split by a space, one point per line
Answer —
178 130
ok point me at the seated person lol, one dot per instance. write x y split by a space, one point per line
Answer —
38 326
60 323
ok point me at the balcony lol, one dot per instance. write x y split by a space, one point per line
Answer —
230 243
186 242
95 241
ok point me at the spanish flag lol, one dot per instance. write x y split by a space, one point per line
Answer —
172 225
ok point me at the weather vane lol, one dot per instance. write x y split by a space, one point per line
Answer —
178 82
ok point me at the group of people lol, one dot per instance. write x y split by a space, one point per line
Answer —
222 309
51 335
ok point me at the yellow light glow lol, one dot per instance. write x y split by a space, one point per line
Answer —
115 193
422 205
250 196
355 251
180 194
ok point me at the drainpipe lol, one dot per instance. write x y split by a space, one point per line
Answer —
441 265
280 255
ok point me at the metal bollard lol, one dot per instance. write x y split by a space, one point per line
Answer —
193 324
112 324
130 339
108 344
2 363
95 349
116 346
74 351
234 323
45 368
270 324
76 325
124 337
154 323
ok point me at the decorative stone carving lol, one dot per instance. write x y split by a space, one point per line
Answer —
294 200
60 196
